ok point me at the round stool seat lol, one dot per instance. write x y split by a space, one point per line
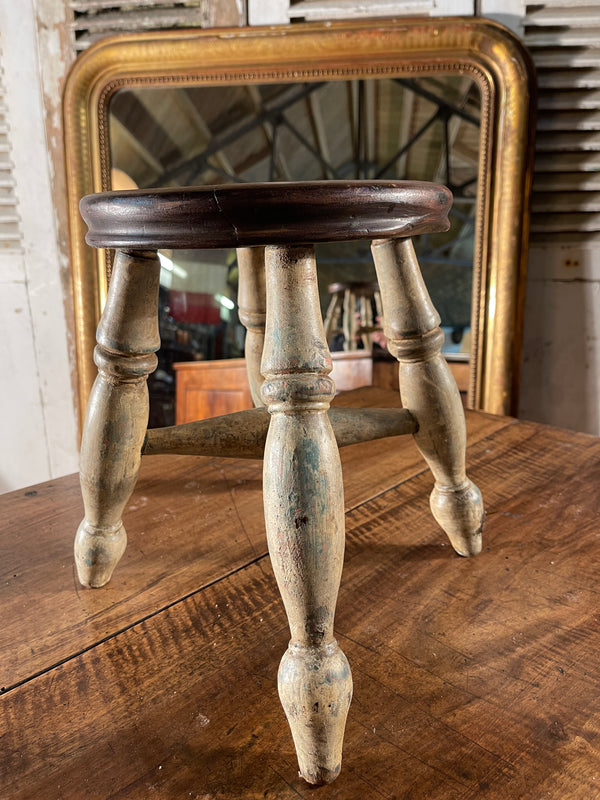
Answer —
243 215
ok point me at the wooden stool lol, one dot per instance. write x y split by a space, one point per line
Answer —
275 226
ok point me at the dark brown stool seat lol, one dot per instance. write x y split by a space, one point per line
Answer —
274 226
245 215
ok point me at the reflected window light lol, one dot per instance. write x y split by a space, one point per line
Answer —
168 264
225 301
165 262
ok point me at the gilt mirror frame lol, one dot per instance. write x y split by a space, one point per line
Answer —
486 51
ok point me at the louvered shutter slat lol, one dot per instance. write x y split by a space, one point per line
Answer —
569 79
567 182
567 162
312 10
567 201
96 19
560 5
10 223
574 38
562 14
567 141
579 120
140 19
542 223
568 100
568 58
85 6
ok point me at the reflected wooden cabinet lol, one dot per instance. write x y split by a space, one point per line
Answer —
210 388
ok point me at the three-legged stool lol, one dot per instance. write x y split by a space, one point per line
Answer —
275 226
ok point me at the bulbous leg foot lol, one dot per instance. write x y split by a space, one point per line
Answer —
97 553
459 511
315 688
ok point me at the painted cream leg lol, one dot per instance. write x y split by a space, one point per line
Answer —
428 389
304 511
252 311
117 413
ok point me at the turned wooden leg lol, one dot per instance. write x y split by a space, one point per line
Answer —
117 413
252 311
428 390
304 511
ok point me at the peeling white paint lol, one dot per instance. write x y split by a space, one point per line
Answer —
38 400
561 352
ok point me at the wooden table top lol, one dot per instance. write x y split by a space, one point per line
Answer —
472 677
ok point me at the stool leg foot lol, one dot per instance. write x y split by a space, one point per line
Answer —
304 511
97 552
458 510
117 413
429 390
315 688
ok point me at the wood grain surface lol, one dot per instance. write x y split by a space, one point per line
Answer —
191 521
472 677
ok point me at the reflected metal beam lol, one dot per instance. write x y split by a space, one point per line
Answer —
225 139
269 132
318 126
122 131
440 102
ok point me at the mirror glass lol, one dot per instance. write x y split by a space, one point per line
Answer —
424 128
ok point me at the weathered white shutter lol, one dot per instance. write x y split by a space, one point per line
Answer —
95 19
10 227
271 12
564 40
310 10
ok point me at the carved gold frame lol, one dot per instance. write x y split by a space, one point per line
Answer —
486 51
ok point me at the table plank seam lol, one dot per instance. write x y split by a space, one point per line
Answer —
4 690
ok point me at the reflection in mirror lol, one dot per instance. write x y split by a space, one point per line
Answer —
425 128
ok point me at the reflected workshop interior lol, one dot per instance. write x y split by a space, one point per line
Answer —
423 128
